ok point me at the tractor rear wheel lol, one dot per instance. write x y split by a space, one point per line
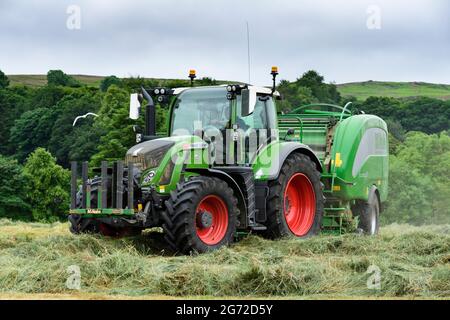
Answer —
369 215
200 215
295 202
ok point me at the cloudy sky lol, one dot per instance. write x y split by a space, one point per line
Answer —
351 40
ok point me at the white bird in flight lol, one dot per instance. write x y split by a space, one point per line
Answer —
83 116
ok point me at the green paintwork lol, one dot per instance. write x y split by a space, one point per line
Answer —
373 172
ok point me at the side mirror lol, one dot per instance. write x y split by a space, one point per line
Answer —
248 102
135 106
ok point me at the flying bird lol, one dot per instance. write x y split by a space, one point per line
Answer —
84 116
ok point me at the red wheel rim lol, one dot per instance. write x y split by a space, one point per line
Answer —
299 204
217 209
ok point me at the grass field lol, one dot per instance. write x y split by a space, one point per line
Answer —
414 263
363 90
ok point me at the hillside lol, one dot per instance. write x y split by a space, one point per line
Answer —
363 90
360 90
413 261
39 80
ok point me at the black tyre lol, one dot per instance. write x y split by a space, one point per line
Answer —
79 225
200 215
369 215
295 201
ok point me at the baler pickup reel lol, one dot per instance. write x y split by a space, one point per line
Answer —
111 184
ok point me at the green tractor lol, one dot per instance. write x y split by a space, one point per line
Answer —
230 165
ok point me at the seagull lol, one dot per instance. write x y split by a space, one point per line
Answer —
84 116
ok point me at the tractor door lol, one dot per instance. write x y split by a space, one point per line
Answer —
256 125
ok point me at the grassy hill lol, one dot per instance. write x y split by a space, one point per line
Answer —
360 90
363 90
414 263
39 80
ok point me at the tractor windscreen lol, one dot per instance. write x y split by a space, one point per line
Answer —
200 108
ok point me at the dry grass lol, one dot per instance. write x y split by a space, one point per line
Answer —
414 263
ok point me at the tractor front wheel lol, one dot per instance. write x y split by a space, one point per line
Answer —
295 202
200 215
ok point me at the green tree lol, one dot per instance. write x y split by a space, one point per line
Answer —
47 186
309 88
13 202
59 78
322 91
11 107
109 81
419 191
4 81
425 114
419 114
33 129
64 139
45 97
114 126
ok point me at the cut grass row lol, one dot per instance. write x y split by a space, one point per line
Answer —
414 263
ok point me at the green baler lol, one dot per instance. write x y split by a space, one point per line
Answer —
353 151
230 165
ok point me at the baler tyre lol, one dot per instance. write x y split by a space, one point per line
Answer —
200 215
295 201
369 215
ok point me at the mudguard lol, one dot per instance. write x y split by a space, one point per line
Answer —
278 154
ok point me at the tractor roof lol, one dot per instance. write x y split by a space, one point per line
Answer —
257 89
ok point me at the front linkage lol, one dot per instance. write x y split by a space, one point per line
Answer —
111 204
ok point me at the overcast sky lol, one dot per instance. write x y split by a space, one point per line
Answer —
165 38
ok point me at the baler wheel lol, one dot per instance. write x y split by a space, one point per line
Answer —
369 215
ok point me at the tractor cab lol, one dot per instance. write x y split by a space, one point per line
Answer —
235 120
